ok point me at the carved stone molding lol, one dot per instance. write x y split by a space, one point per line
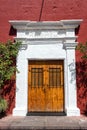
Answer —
70 45
29 25
63 30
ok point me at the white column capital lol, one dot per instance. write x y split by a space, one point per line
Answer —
70 45
23 46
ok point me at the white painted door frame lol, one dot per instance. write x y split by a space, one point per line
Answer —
46 41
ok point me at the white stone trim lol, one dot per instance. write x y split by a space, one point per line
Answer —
73 111
46 41
70 45
45 25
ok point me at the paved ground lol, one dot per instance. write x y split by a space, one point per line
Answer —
43 123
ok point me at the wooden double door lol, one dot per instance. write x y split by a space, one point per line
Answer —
45 86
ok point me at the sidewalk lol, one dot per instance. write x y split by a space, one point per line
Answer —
43 123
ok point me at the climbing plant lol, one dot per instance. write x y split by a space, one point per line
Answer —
8 53
83 49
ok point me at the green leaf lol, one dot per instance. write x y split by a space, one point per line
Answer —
82 47
8 54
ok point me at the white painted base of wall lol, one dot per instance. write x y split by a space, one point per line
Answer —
69 112
73 111
19 112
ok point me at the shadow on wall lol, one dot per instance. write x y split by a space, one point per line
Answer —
8 93
12 31
82 86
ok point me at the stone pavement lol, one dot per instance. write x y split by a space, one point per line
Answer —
43 123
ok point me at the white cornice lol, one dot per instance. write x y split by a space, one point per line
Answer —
45 39
32 25
74 23
62 31
39 39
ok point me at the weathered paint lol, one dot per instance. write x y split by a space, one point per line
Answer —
52 10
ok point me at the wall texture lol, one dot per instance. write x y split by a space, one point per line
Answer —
47 10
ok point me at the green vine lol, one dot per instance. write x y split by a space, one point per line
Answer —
83 49
8 54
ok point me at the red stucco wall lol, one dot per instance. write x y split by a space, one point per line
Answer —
47 10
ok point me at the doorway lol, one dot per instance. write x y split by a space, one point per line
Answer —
46 86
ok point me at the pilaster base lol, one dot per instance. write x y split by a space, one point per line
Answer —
73 112
19 112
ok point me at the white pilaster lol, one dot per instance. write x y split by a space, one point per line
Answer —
21 84
71 108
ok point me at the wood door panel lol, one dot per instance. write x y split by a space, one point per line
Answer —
46 90
36 100
54 99
40 100
49 100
